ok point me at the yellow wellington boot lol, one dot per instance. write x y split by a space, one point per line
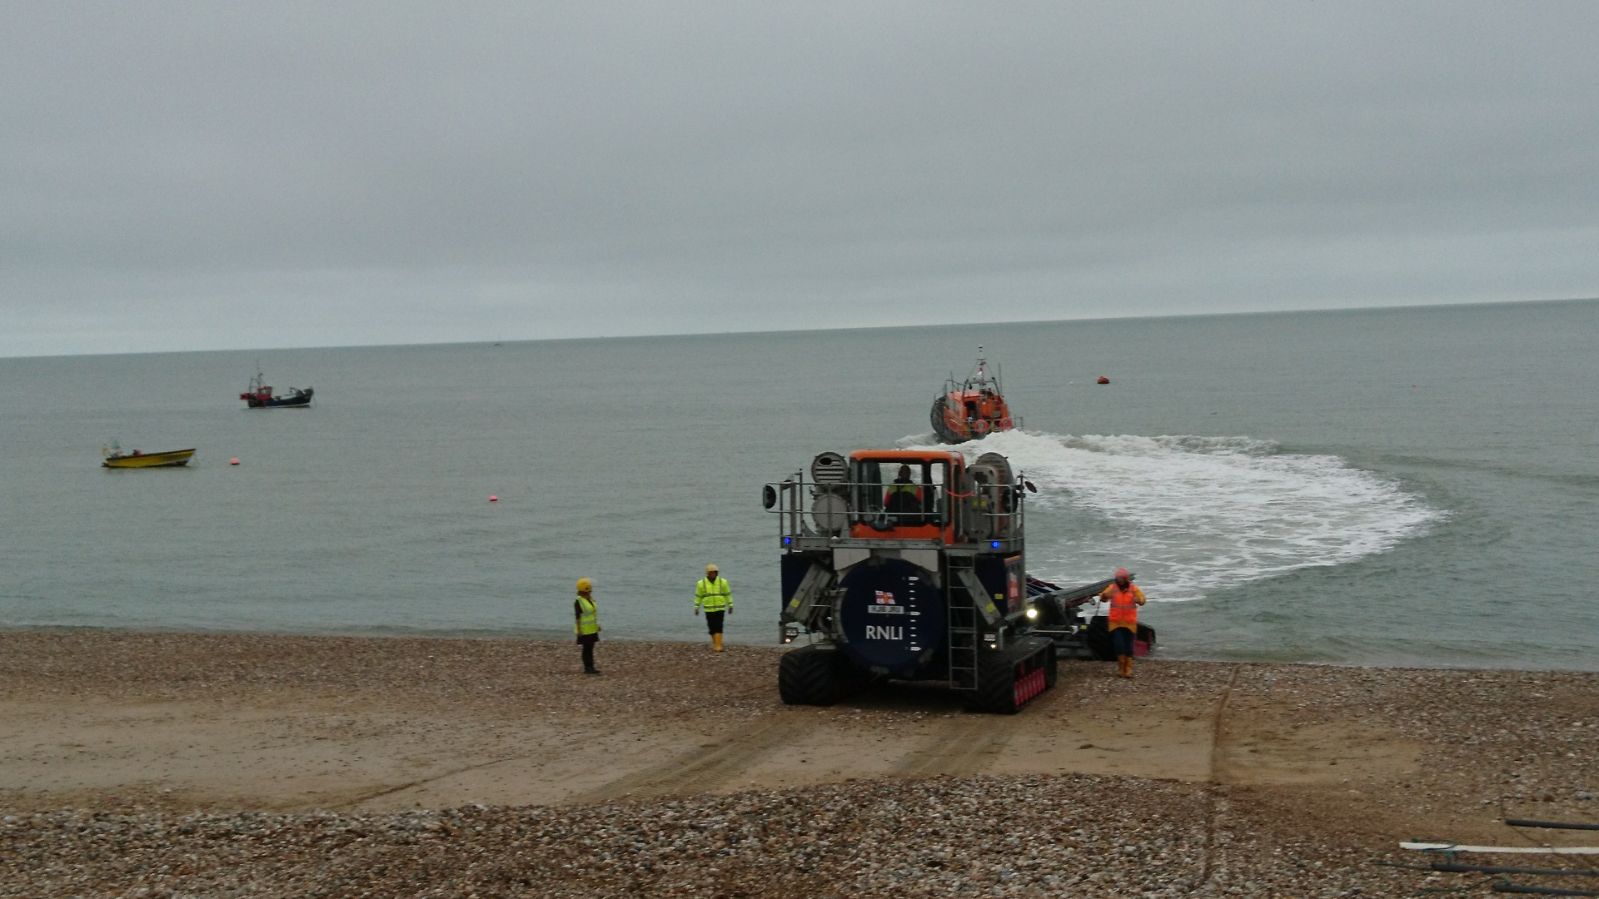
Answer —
1129 667
1121 666
716 642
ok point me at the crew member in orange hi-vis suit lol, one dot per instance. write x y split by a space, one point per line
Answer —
1124 598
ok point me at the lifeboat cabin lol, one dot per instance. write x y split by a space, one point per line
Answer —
972 408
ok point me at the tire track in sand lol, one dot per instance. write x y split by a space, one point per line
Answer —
381 792
964 746
702 769
1216 803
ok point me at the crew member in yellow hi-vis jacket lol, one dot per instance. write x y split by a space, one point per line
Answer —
587 623
715 595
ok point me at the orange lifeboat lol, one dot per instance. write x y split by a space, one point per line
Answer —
972 408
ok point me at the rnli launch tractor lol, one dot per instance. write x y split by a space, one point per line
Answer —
910 565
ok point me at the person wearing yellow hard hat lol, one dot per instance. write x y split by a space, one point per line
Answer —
715 595
587 626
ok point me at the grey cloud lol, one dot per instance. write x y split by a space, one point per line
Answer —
404 172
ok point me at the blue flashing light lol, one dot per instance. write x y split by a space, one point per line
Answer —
993 544
788 541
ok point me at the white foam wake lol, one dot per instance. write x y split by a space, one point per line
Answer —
1195 515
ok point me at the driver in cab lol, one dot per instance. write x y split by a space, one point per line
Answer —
903 498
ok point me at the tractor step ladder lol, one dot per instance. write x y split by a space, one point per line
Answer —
961 626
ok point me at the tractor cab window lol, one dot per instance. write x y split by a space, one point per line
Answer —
901 493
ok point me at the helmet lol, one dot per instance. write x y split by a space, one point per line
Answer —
710 568
583 584
1121 574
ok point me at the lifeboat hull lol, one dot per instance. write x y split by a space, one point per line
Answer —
962 415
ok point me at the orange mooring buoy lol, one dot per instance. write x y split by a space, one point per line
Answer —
1104 380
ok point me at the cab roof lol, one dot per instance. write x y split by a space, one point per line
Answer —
904 455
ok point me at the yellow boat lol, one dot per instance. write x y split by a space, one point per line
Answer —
137 459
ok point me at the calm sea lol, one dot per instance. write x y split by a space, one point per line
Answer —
1408 486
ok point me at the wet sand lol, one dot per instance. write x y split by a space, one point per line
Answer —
286 765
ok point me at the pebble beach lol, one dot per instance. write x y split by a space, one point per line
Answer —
256 765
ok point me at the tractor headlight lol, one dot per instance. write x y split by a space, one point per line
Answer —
1032 613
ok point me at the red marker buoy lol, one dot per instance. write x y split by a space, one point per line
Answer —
1104 380
234 461
493 498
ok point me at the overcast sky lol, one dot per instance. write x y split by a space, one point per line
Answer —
179 176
